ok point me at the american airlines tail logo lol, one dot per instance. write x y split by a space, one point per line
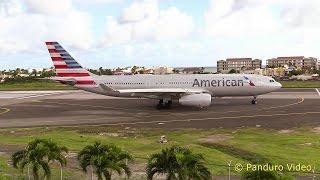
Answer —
250 82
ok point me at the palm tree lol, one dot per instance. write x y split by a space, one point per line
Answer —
37 155
104 159
57 154
34 156
178 163
193 165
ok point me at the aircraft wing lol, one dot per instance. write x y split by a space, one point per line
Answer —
155 93
162 92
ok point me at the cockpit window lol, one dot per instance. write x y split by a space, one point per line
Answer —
271 80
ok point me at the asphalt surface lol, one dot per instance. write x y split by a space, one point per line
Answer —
278 110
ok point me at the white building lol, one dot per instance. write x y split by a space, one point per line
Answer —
163 70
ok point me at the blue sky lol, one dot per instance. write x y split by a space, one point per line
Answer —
116 33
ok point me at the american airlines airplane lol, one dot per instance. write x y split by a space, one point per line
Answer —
190 90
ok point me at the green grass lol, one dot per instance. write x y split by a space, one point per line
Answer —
245 145
300 84
33 85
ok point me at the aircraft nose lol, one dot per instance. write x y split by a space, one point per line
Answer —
279 85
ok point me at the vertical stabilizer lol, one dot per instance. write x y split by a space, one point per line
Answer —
67 68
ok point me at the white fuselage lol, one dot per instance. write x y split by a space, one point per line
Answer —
190 90
217 85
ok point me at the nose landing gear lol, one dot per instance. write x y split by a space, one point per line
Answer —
254 100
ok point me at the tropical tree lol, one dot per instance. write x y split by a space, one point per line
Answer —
232 71
34 72
177 163
37 156
33 156
57 153
134 69
104 160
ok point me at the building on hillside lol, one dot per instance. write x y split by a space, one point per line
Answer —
296 61
238 64
210 70
163 70
121 71
3 77
273 72
193 70
148 71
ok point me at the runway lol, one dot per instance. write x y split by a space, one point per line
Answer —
278 110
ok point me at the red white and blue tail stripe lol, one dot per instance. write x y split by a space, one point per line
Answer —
68 69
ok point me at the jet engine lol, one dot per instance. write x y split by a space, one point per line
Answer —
198 100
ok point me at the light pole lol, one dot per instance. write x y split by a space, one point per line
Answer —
314 175
229 164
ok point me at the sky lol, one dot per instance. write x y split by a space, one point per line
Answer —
119 33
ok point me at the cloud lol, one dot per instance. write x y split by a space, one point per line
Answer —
48 6
145 21
263 29
252 18
26 29
234 18
297 14
139 11
8 7
95 2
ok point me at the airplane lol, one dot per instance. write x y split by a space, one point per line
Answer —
195 90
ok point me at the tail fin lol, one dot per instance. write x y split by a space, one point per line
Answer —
66 67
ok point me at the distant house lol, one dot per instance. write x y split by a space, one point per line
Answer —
121 72
193 70
149 71
3 77
163 70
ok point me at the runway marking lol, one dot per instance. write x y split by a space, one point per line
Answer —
318 91
37 95
93 106
301 101
27 94
5 110
180 120
259 109
168 113
213 118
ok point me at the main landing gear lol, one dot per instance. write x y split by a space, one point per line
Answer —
254 100
164 104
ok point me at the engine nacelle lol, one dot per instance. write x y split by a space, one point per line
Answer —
198 100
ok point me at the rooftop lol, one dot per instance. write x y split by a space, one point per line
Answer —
239 59
291 57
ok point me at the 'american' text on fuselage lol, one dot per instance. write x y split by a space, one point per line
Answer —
217 83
